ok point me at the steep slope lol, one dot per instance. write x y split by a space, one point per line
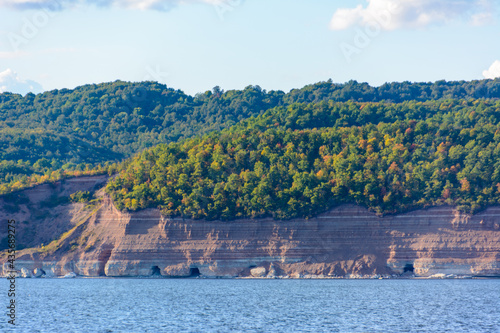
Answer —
43 213
345 241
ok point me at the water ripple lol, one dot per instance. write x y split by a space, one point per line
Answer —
199 305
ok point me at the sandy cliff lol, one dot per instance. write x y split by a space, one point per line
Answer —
99 240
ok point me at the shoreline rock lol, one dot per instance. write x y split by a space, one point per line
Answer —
345 242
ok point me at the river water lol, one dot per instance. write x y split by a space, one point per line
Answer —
205 305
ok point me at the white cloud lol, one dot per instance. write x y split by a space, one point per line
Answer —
395 14
133 4
492 72
11 82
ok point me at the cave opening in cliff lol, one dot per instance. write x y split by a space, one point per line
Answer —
408 268
155 271
194 272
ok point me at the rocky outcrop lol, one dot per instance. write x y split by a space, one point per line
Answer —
258 272
41 214
24 272
346 241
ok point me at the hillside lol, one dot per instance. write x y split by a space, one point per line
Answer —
75 130
313 186
87 130
111 121
302 160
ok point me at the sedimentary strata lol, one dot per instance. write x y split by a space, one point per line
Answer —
99 240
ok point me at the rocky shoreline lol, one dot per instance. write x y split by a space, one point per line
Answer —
40 274
97 240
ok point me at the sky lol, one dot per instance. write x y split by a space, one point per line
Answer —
194 45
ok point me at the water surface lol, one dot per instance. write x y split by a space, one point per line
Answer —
201 305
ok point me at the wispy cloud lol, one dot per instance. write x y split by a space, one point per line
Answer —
133 4
413 13
58 50
21 54
11 82
492 72
12 55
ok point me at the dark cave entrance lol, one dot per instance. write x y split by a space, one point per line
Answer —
194 272
102 260
155 271
408 268
39 272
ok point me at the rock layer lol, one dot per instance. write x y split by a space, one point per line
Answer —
346 241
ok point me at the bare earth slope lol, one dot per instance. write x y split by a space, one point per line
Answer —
99 240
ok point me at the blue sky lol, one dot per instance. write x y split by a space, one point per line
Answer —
194 45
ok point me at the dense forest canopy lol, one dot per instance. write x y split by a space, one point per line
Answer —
89 129
79 129
301 160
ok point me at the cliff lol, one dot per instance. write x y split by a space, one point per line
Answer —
98 240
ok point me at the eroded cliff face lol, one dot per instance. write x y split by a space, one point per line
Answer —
348 240
40 213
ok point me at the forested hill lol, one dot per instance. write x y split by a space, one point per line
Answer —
127 117
304 159
395 92
74 130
